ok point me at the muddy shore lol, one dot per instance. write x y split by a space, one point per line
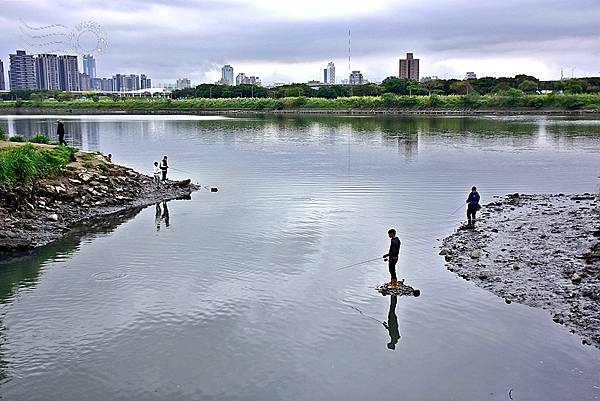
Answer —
538 250
39 213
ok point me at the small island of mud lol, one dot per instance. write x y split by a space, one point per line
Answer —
36 213
538 250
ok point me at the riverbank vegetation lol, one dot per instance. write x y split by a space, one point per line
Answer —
512 99
393 93
20 164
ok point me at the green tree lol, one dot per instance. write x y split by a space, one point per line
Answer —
528 86
461 88
395 85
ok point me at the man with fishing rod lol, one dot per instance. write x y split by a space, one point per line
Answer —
392 257
473 207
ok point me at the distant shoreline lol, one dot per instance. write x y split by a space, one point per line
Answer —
300 111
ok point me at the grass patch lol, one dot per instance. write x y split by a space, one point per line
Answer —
23 164
17 138
40 138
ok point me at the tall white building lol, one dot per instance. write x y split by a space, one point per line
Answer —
227 75
89 66
330 73
46 72
68 74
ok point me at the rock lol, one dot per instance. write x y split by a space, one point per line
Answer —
576 278
53 217
444 252
74 181
85 177
476 254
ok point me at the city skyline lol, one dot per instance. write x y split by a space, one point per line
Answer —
283 42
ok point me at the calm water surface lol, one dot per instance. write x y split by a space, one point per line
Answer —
237 296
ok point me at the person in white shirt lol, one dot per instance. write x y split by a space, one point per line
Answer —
156 174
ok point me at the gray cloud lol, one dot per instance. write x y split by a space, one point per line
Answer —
168 39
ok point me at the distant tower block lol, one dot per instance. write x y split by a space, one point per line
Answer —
409 68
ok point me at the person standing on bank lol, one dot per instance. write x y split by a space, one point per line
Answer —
392 257
156 174
473 207
164 167
60 131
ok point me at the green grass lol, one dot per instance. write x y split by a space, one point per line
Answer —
23 164
39 138
17 138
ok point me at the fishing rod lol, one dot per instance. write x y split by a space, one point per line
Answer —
456 210
182 171
359 263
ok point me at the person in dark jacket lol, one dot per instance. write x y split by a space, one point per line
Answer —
473 207
60 131
392 257
164 167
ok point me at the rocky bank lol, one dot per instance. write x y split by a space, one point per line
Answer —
91 188
539 250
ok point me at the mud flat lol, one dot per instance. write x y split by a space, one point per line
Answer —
538 250
38 213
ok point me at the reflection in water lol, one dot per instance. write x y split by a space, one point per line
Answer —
23 271
392 323
160 215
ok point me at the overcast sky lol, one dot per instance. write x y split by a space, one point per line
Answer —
292 41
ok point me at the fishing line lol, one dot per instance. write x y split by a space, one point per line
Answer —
359 263
362 313
457 209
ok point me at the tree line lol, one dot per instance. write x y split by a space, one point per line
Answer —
525 84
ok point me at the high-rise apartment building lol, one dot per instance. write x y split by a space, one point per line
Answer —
356 78
21 73
85 82
89 66
46 72
145 82
184 83
330 73
409 68
68 74
227 75
2 84
470 75
325 75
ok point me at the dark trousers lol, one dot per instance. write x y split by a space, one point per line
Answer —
164 175
392 260
471 210
61 140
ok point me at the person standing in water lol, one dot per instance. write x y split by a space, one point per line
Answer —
60 131
392 257
473 207
164 167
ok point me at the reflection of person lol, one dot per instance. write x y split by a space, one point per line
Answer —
473 207
165 214
164 167
60 131
392 323
392 257
157 216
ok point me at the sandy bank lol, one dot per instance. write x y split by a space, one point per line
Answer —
539 250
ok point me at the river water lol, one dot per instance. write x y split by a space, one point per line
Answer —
236 295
